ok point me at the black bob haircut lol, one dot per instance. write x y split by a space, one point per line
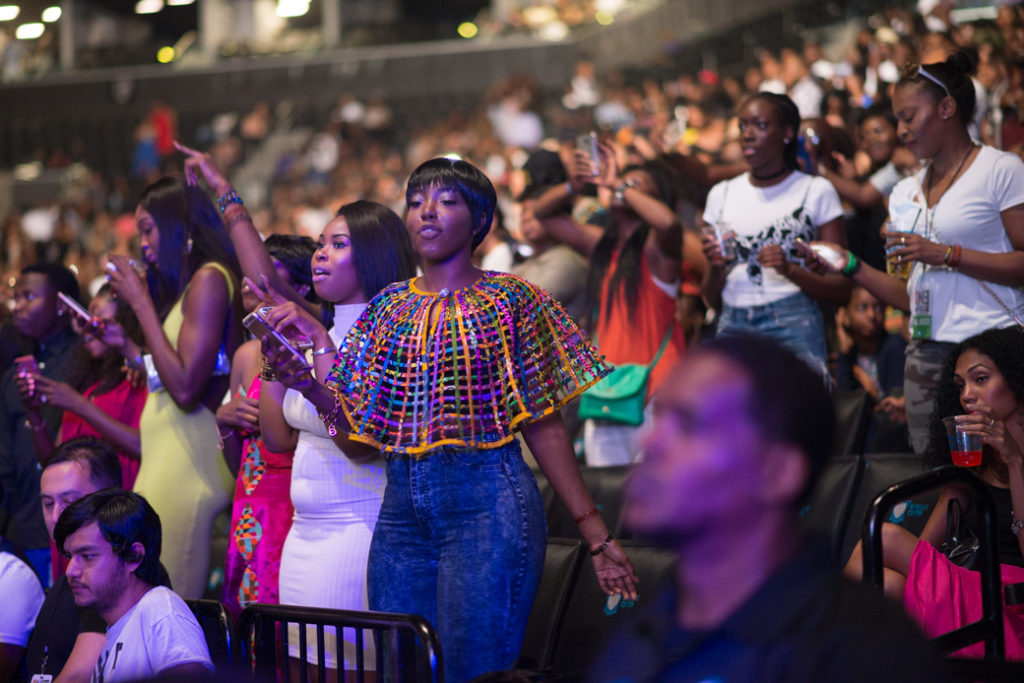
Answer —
476 189
788 400
124 518
381 249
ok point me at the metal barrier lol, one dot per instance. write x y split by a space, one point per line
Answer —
407 647
990 627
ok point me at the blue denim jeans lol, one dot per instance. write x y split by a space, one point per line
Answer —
794 322
460 540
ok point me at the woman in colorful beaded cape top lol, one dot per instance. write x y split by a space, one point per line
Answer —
437 373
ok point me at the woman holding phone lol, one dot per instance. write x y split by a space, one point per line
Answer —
336 484
102 398
189 313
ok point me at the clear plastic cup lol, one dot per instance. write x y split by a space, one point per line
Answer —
965 447
725 237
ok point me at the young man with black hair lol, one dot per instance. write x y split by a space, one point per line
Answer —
113 539
42 319
741 434
67 639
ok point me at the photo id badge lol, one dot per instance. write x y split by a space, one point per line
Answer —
921 320
42 678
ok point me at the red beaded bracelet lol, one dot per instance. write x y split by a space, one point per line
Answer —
592 512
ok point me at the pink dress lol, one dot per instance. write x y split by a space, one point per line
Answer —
261 516
123 403
941 597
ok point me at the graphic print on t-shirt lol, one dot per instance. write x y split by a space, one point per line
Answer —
784 231
101 663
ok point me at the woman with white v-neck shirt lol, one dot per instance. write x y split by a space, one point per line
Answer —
962 218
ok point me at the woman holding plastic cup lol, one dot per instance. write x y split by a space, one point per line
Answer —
752 225
982 391
959 222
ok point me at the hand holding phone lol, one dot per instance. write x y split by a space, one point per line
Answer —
76 309
260 328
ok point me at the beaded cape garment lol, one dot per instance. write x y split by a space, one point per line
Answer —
422 370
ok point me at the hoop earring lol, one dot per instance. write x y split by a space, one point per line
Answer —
188 246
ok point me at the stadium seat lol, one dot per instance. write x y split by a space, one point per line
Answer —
561 569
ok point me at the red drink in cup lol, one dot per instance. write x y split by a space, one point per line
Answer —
964 447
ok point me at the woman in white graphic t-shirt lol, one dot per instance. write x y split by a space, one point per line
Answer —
757 276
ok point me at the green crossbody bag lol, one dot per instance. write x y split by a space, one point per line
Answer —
621 396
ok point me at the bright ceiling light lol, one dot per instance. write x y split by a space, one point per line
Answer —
9 12
51 14
149 6
292 8
179 3
29 31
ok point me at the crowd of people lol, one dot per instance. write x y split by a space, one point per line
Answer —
365 386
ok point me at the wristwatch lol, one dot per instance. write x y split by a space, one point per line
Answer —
1015 524
620 192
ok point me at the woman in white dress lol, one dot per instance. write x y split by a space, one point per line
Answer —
337 485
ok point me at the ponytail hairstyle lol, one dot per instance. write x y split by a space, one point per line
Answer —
951 78
789 117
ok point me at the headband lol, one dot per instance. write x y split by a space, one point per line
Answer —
922 72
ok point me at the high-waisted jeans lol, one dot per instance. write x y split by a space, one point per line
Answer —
460 540
794 322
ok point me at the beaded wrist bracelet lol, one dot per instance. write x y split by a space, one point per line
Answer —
227 199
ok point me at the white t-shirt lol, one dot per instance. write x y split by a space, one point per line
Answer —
21 595
968 214
158 633
760 216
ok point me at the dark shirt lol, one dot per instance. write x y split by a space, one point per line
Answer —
806 623
21 515
59 622
890 362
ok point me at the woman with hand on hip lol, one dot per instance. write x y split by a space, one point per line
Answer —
957 226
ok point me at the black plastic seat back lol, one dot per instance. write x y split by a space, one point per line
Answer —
217 628
561 568
882 470
853 414
587 622
827 514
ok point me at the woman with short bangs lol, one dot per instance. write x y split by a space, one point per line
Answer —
438 373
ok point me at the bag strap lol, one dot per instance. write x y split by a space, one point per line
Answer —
664 343
1016 318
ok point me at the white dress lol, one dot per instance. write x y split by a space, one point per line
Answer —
323 563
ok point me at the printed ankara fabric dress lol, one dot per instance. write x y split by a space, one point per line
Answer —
261 515
422 370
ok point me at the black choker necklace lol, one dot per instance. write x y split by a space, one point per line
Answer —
770 176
